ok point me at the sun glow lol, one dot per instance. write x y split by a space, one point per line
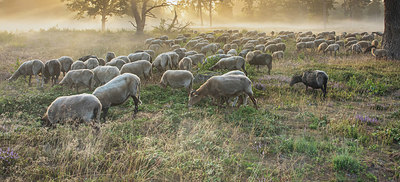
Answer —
174 2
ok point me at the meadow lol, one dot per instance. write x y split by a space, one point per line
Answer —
295 135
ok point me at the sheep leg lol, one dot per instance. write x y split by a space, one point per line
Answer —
253 100
104 114
136 100
29 82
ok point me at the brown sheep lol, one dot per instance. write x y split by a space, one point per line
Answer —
52 70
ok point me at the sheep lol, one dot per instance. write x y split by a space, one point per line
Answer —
139 56
278 55
281 46
249 46
260 47
340 43
125 58
232 52
319 42
355 48
102 62
91 63
177 79
375 43
190 53
162 62
85 58
103 74
368 37
66 63
117 91
244 97
244 52
148 41
300 46
377 53
364 44
141 68
83 107
230 63
185 64
77 65
227 47
223 87
351 43
52 70
110 56
174 59
315 79
191 43
322 47
271 48
332 48
78 77
117 63
220 51
209 48
181 52
310 45
258 58
197 59
33 67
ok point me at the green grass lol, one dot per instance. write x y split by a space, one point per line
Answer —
295 135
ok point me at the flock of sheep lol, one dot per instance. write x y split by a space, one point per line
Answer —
117 78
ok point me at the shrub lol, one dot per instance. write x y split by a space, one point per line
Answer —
347 163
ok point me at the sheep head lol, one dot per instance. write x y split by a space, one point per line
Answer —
45 120
194 98
296 79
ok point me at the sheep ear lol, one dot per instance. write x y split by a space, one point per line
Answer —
193 93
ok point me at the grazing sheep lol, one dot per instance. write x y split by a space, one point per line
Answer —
125 58
85 58
102 62
300 46
230 63
355 49
278 55
244 52
259 59
117 63
319 42
219 87
209 48
243 97
177 79
77 65
117 91
260 47
271 48
232 52
197 59
181 52
364 44
77 78
82 107
33 67
332 48
103 74
66 63
52 70
139 56
314 79
310 45
351 43
281 46
368 37
141 68
190 53
377 53
220 51
322 47
185 64
174 59
191 43
110 56
227 47
162 62
91 63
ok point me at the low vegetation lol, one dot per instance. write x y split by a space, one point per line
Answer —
295 135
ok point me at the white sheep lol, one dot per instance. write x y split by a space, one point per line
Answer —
77 65
185 64
322 46
91 63
332 48
230 63
232 52
197 59
110 56
82 107
278 55
77 78
117 63
33 67
162 62
103 74
66 63
177 79
139 56
141 68
117 91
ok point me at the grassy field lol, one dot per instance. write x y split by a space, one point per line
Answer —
295 135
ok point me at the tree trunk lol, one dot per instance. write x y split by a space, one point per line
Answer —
103 23
210 13
391 37
200 12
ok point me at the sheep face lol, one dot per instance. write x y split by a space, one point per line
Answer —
295 79
194 98
45 120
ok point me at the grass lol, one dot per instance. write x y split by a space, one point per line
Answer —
296 135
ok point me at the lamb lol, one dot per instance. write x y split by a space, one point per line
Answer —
258 58
322 47
278 55
315 79
77 78
33 67
177 79
117 63
66 63
223 87
227 47
91 63
197 59
103 74
139 56
52 70
77 65
191 43
332 48
230 63
355 48
117 91
83 107
377 53
110 56
141 68
185 64
162 62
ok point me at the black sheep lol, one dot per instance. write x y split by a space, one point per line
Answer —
315 79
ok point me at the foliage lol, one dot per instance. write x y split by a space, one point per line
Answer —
345 162
8 158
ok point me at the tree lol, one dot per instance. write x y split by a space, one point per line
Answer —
391 37
374 9
354 8
93 8
146 8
